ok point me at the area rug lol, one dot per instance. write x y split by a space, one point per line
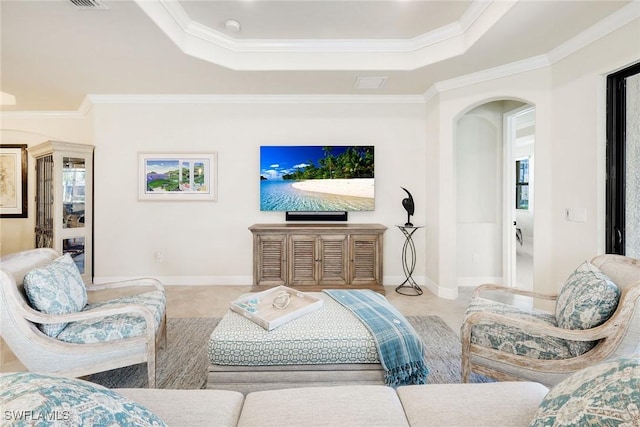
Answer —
182 364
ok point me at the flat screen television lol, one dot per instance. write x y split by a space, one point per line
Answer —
317 178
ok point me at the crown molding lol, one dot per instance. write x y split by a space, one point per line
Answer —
256 99
506 70
203 42
616 20
183 25
97 99
529 64
30 115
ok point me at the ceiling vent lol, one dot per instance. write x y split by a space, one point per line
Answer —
370 82
88 4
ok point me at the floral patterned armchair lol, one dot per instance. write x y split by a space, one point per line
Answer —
596 318
50 325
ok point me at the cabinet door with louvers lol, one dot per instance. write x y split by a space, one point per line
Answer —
318 260
366 265
303 260
270 252
333 262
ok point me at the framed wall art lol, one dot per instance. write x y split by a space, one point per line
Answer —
177 176
13 181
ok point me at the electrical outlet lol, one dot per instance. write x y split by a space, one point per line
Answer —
159 257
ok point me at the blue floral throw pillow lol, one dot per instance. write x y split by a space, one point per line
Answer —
607 394
29 399
587 299
56 288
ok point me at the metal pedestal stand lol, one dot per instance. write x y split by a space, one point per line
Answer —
409 286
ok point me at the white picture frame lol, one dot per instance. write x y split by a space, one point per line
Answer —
177 176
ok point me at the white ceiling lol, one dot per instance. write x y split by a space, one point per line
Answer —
54 55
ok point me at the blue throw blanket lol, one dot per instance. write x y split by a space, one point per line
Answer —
399 347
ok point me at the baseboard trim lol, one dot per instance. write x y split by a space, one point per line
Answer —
184 280
425 283
389 281
478 280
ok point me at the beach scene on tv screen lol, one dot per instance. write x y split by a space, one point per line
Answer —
317 178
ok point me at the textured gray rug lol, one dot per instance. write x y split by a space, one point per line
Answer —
182 364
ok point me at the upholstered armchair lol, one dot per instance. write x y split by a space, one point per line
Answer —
596 318
51 327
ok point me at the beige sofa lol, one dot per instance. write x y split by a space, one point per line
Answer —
488 404
604 394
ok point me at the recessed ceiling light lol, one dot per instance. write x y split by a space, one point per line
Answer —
370 82
232 25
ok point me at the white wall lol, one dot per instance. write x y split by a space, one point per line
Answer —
432 161
479 194
579 140
569 97
209 242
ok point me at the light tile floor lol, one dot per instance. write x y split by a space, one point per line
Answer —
213 301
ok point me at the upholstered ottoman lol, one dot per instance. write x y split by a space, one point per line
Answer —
329 346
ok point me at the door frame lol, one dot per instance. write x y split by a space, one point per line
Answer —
615 233
509 136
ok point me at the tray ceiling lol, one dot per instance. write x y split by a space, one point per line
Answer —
53 55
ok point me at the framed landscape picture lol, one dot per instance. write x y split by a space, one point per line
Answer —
177 176
13 181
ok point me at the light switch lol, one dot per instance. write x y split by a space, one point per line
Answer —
576 214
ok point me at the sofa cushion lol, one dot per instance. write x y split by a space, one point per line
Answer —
369 405
118 326
56 288
215 408
587 299
604 394
473 405
29 399
512 339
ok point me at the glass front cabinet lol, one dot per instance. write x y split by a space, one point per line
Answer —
64 201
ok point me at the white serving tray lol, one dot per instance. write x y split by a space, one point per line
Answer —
258 307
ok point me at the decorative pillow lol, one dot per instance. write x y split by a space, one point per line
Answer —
607 394
587 299
29 399
56 288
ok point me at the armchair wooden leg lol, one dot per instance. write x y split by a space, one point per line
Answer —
151 364
465 339
162 333
465 368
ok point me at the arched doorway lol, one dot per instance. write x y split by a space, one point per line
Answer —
494 163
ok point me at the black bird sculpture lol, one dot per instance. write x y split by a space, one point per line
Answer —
408 205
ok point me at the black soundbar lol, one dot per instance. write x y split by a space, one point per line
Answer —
315 216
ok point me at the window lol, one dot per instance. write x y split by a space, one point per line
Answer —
522 184
623 162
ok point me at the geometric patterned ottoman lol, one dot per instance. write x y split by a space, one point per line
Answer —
329 346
